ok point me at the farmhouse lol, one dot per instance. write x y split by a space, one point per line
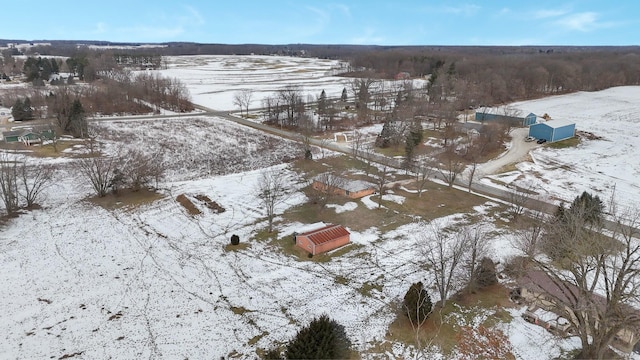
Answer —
353 189
502 115
27 136
553 130
541 292
323 239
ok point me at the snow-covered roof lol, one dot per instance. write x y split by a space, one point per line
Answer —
501 111
343 183
558 123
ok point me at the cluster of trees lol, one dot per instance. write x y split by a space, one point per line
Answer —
286 108
69 114
40 69
119 92
323 338
21 182
132 170
496 75
595 267
22 110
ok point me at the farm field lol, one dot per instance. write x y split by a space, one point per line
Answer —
605 162
147 279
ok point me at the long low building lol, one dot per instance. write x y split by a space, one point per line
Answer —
553 130
353 189
323 239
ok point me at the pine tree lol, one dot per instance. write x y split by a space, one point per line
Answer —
417 304
588 206
27 110
343 98
323 338
77 120
486 273
384 138
17 110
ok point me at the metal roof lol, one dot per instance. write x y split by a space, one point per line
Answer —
325 234
558 123
343 183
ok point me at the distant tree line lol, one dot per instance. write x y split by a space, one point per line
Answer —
505 75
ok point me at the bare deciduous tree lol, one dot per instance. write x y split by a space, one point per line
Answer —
519 198
451 165
597 282
9 183
242 99
444 252
99 170
327 185
423 171
272 190
34 178
292 102
381 182
139 169
527 238
477 248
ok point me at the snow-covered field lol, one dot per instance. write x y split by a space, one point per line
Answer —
213 80
608 167
155 282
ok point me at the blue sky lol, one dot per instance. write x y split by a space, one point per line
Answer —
371 22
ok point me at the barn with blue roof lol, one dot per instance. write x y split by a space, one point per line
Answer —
553 130
500 115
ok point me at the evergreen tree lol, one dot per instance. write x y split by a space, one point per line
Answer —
486 274
17 110
384 138
323 338
589 207
417 303
412 140
343 97
77 120
322 103
27 110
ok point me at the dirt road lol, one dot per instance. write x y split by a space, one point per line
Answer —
517 152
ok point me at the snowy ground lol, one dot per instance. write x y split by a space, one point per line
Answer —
608 167
157 282
213 80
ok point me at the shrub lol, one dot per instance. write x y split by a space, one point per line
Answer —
235 239
486 273
323 338
417 303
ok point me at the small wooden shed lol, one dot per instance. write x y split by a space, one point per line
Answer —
323 239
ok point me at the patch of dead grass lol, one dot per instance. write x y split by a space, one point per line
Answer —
126 199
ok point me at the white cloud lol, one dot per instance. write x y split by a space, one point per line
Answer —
585 21
504 11
549 13
464 9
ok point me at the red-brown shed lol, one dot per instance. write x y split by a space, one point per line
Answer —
323 239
